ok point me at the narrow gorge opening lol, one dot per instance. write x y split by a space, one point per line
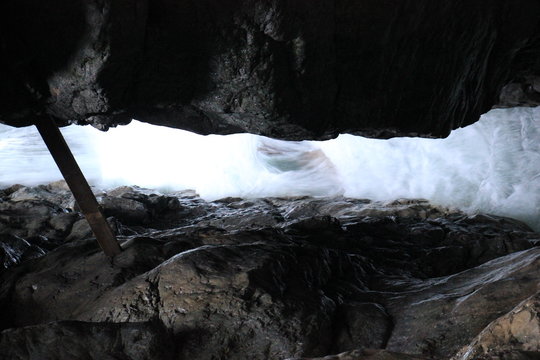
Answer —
490 167
234 246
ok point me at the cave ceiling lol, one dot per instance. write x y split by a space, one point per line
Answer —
287 69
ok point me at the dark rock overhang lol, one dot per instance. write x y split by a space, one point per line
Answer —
288 69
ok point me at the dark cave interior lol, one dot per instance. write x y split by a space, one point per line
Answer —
268 277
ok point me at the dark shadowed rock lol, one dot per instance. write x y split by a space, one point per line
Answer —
426 314
273 279
361 325
14 249
33 220
515 335
285 69
62 341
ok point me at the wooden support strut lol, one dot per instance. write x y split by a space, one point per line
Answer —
78 185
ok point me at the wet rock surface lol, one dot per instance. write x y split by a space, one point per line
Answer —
515 335
270 278
294 70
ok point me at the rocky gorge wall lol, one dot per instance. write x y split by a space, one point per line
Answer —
293 70
264 279
271 278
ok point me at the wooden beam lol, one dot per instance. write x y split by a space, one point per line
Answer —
78 185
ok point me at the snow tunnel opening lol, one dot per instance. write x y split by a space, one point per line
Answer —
492 166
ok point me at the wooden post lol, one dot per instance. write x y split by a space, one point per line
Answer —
78 185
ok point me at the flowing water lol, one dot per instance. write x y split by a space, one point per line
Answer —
492 166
